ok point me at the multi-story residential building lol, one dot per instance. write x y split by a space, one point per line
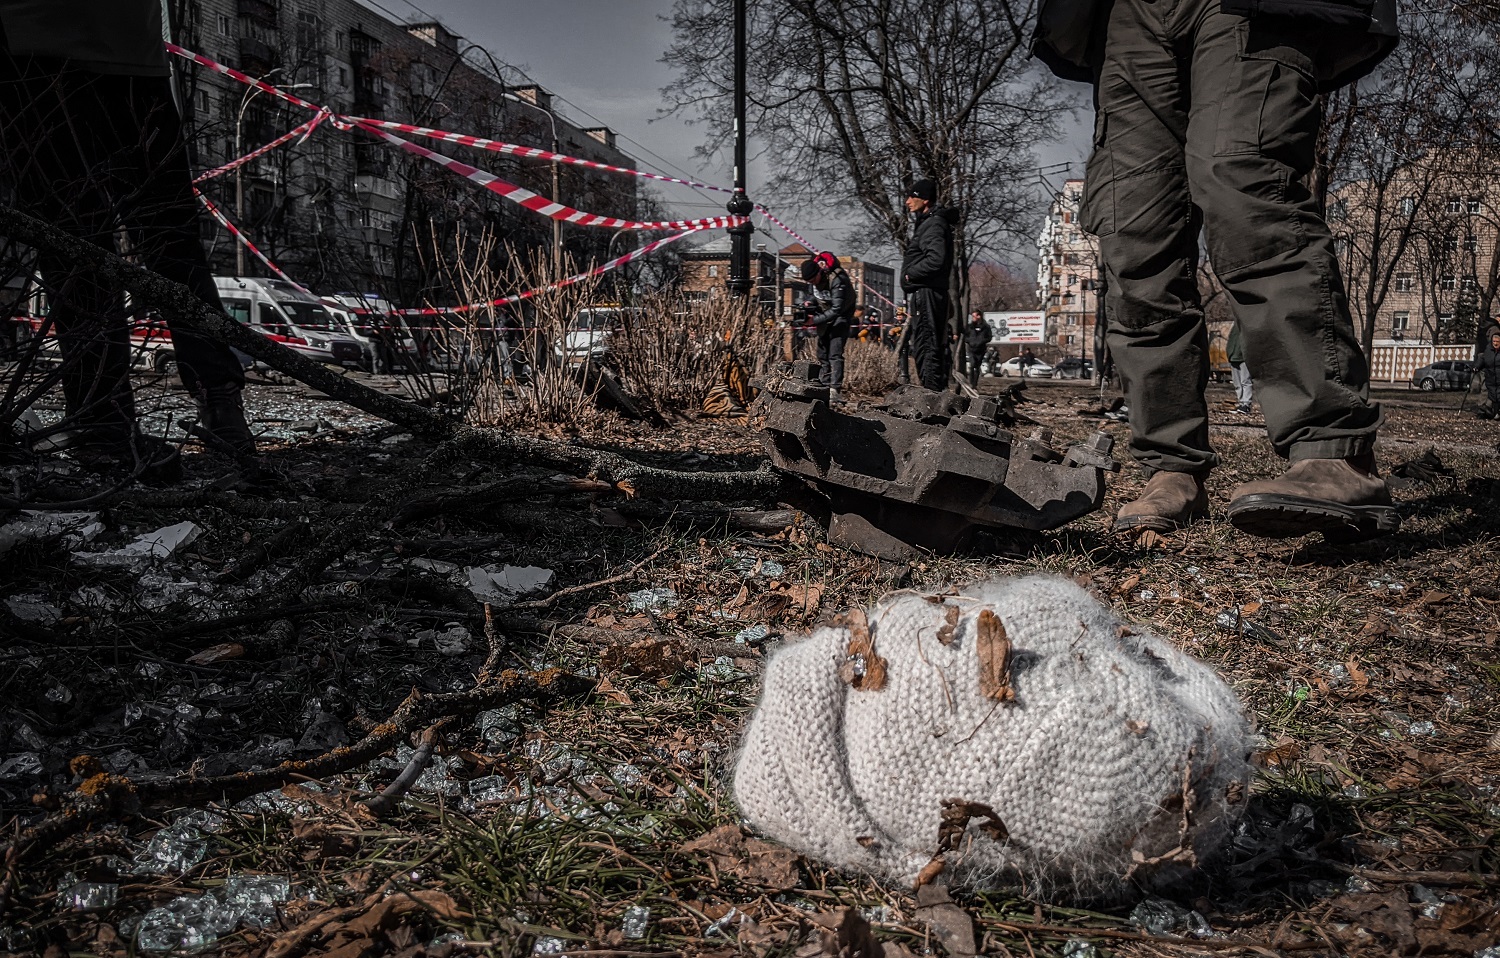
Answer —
343 210
1067 274
1418 248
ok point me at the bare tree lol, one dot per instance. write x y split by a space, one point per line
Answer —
855 98
995 286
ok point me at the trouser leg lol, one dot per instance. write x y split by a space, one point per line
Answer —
1250 148
835 358
49 118
824 338
929 337
152 160
1243 387
1137 202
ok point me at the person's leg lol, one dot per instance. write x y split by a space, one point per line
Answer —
836 342
50 117
824 338
928 334
1136 201
1251 147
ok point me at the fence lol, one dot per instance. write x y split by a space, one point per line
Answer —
1393 361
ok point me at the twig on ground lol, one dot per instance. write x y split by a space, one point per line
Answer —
551 600
391 795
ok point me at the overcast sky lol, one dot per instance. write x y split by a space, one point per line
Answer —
601 59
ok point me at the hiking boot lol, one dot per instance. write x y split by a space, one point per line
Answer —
221 413
835 396
1170 501
1342 498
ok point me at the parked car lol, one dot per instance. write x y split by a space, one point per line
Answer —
1444 374
1012 367
282 313
1074 367
590 331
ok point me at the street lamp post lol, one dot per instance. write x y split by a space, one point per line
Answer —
609 254
739 203
556 223
239 171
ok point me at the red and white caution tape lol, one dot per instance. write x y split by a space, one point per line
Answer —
245 241
244 78
540 204
646 250
303 131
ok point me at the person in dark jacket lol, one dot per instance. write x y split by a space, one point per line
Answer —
925 272
1488 362
977 337
1248 73
94 143
836 293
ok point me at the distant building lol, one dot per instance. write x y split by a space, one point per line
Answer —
343 210
1067 274
705 270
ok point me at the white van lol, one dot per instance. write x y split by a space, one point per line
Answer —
372 321
284 314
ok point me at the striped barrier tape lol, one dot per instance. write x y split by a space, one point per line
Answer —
244 78
245 241
305 130
540 204
646 250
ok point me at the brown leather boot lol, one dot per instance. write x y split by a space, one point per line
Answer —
1170 501
1342 498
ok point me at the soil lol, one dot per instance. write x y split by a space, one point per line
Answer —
309 609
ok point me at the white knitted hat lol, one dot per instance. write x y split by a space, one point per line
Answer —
1116 759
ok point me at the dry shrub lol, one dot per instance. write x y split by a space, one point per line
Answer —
869 368
529 381
672 352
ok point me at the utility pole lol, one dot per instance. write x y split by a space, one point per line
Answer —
739 204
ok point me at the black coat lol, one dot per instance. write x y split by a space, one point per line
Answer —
929 256
977 335
840 311
1069 33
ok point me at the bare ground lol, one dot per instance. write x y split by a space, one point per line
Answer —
304 615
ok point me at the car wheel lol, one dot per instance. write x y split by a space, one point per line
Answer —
1428 384
164 362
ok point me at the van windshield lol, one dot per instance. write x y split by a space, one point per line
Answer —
306 315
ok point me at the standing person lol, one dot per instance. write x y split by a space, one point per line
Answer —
835 293
1208 118
1489 364
977 337
1239 373
925 273
93 143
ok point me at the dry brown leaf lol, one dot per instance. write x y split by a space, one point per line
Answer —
952 926
607 689
994 657
1137 727
740 598
1357 675
1128 585
648 658
804 598
1250 608
217 653
748 859
863 669
950 624
929 871
843 934
370 931
954 821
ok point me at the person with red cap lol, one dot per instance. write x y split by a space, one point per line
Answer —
834 291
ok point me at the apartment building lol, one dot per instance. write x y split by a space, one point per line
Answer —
1418 248
342 210
1067 268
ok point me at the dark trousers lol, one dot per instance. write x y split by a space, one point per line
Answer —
93 155
927 311
1211 120
831 340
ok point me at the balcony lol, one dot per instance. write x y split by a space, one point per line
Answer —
262 12
257 57
377 186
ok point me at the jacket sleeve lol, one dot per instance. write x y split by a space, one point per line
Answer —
840 302
923 265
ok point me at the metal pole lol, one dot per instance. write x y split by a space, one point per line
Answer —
739 205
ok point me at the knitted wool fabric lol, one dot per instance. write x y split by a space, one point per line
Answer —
1086 768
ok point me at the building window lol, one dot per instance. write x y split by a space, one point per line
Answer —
1067 217
1071 339
203 102
343 76
1072 279
338 39
1470 283
1450 243
1400 322
226 26
1475 205
1471 243
1405 283
349 216
1455 204
1408 205
713 272
1448 282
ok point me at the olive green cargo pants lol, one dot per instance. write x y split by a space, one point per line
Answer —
1210 120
